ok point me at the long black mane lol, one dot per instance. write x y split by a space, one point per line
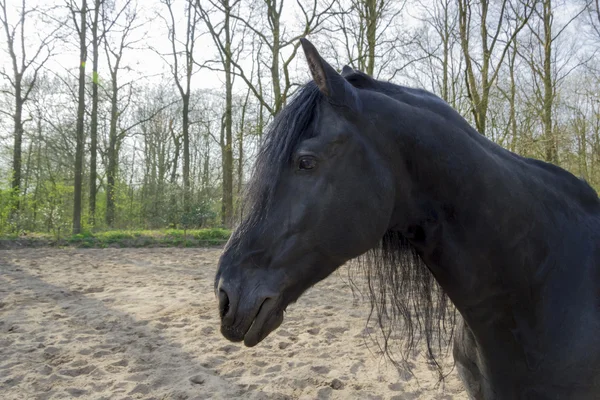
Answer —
406 301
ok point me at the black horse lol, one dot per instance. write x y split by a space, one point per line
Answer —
355 166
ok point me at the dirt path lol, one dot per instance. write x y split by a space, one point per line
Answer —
142 324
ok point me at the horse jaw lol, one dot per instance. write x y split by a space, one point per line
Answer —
268 319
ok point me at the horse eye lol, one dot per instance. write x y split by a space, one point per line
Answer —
307 163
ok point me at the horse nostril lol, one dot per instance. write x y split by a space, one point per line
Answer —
228 302
223 303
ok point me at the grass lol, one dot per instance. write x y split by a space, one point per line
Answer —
122 238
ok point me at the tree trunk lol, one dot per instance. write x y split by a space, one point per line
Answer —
18 143
205 169
492 56
227 217
177 144
186 147
473 93
274 17
581 130
94 117
240 171
27 173
112 152
550 141
445 66
372 18
80 123
38 168
512 118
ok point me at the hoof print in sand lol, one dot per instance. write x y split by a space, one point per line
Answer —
284 345
197 380
321 369
336 384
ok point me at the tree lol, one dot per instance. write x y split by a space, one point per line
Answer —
549 67
482 68
118 38
546 76
367 32
27 59
222 35
161 152
437 41
182 71
81 32
96 41
277 48
593 14
511 96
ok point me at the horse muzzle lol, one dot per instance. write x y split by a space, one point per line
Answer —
247 316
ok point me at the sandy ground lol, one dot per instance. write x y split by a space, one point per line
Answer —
143 324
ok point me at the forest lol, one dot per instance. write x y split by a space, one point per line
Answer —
146 115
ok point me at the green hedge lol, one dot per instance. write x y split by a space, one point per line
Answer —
122 238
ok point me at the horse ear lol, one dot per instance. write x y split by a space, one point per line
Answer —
329 82
347 70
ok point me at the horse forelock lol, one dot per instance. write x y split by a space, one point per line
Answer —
289 128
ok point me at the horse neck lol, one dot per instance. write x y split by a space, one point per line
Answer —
466 205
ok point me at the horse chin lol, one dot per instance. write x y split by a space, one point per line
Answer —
268 319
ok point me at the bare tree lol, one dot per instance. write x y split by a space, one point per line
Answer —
27 59
593 15
482 67
277 48
161 148
512 94
118 39
222 34
546 75
183 68
437 41
549 67
80 27
96 39
367 31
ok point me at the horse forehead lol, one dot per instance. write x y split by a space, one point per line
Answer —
333 120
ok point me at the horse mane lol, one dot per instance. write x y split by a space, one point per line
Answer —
406 302
404 296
